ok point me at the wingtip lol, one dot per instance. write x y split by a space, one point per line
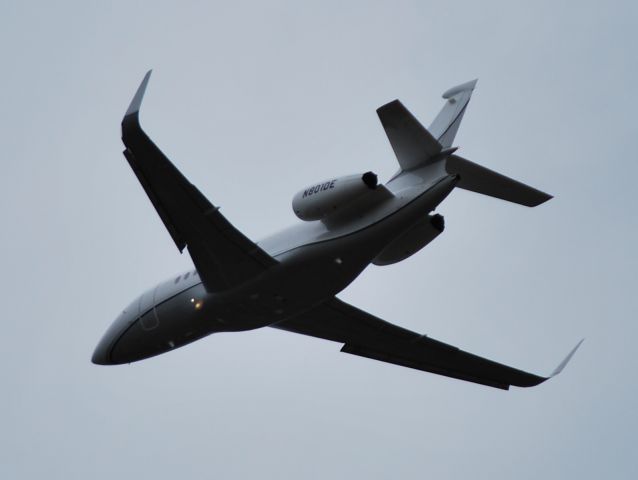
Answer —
136 103
566 360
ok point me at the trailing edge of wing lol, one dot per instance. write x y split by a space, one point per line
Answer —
368 336
223 256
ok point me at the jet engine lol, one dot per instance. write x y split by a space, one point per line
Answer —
324 198
411 241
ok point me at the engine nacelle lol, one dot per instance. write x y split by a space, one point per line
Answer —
325 198
410 242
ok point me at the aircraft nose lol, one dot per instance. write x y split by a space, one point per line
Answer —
101 354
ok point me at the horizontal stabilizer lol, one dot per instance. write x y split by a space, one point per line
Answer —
488 182
413 145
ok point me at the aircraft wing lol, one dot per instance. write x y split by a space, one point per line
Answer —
368 336
223 256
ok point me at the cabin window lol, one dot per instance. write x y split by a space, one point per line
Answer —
186 275
177 279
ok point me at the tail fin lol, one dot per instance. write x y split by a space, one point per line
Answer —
446 123
413 144
488 182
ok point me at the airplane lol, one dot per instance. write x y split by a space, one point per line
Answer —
290 280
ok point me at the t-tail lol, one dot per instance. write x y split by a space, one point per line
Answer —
416 147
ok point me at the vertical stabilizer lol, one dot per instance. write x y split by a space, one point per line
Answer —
446 123
413 144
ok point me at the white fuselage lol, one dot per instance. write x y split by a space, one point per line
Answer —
316 259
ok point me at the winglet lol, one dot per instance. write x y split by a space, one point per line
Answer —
136 103
562 364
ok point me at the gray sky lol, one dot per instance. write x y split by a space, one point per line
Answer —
253 102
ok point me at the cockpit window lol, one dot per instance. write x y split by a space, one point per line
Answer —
186 275
177 279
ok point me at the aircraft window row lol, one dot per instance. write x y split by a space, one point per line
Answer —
185 276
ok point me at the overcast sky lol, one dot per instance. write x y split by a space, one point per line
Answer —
253 101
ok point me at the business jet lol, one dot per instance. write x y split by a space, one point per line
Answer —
290 281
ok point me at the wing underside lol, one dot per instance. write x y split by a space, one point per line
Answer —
223 256
368 336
